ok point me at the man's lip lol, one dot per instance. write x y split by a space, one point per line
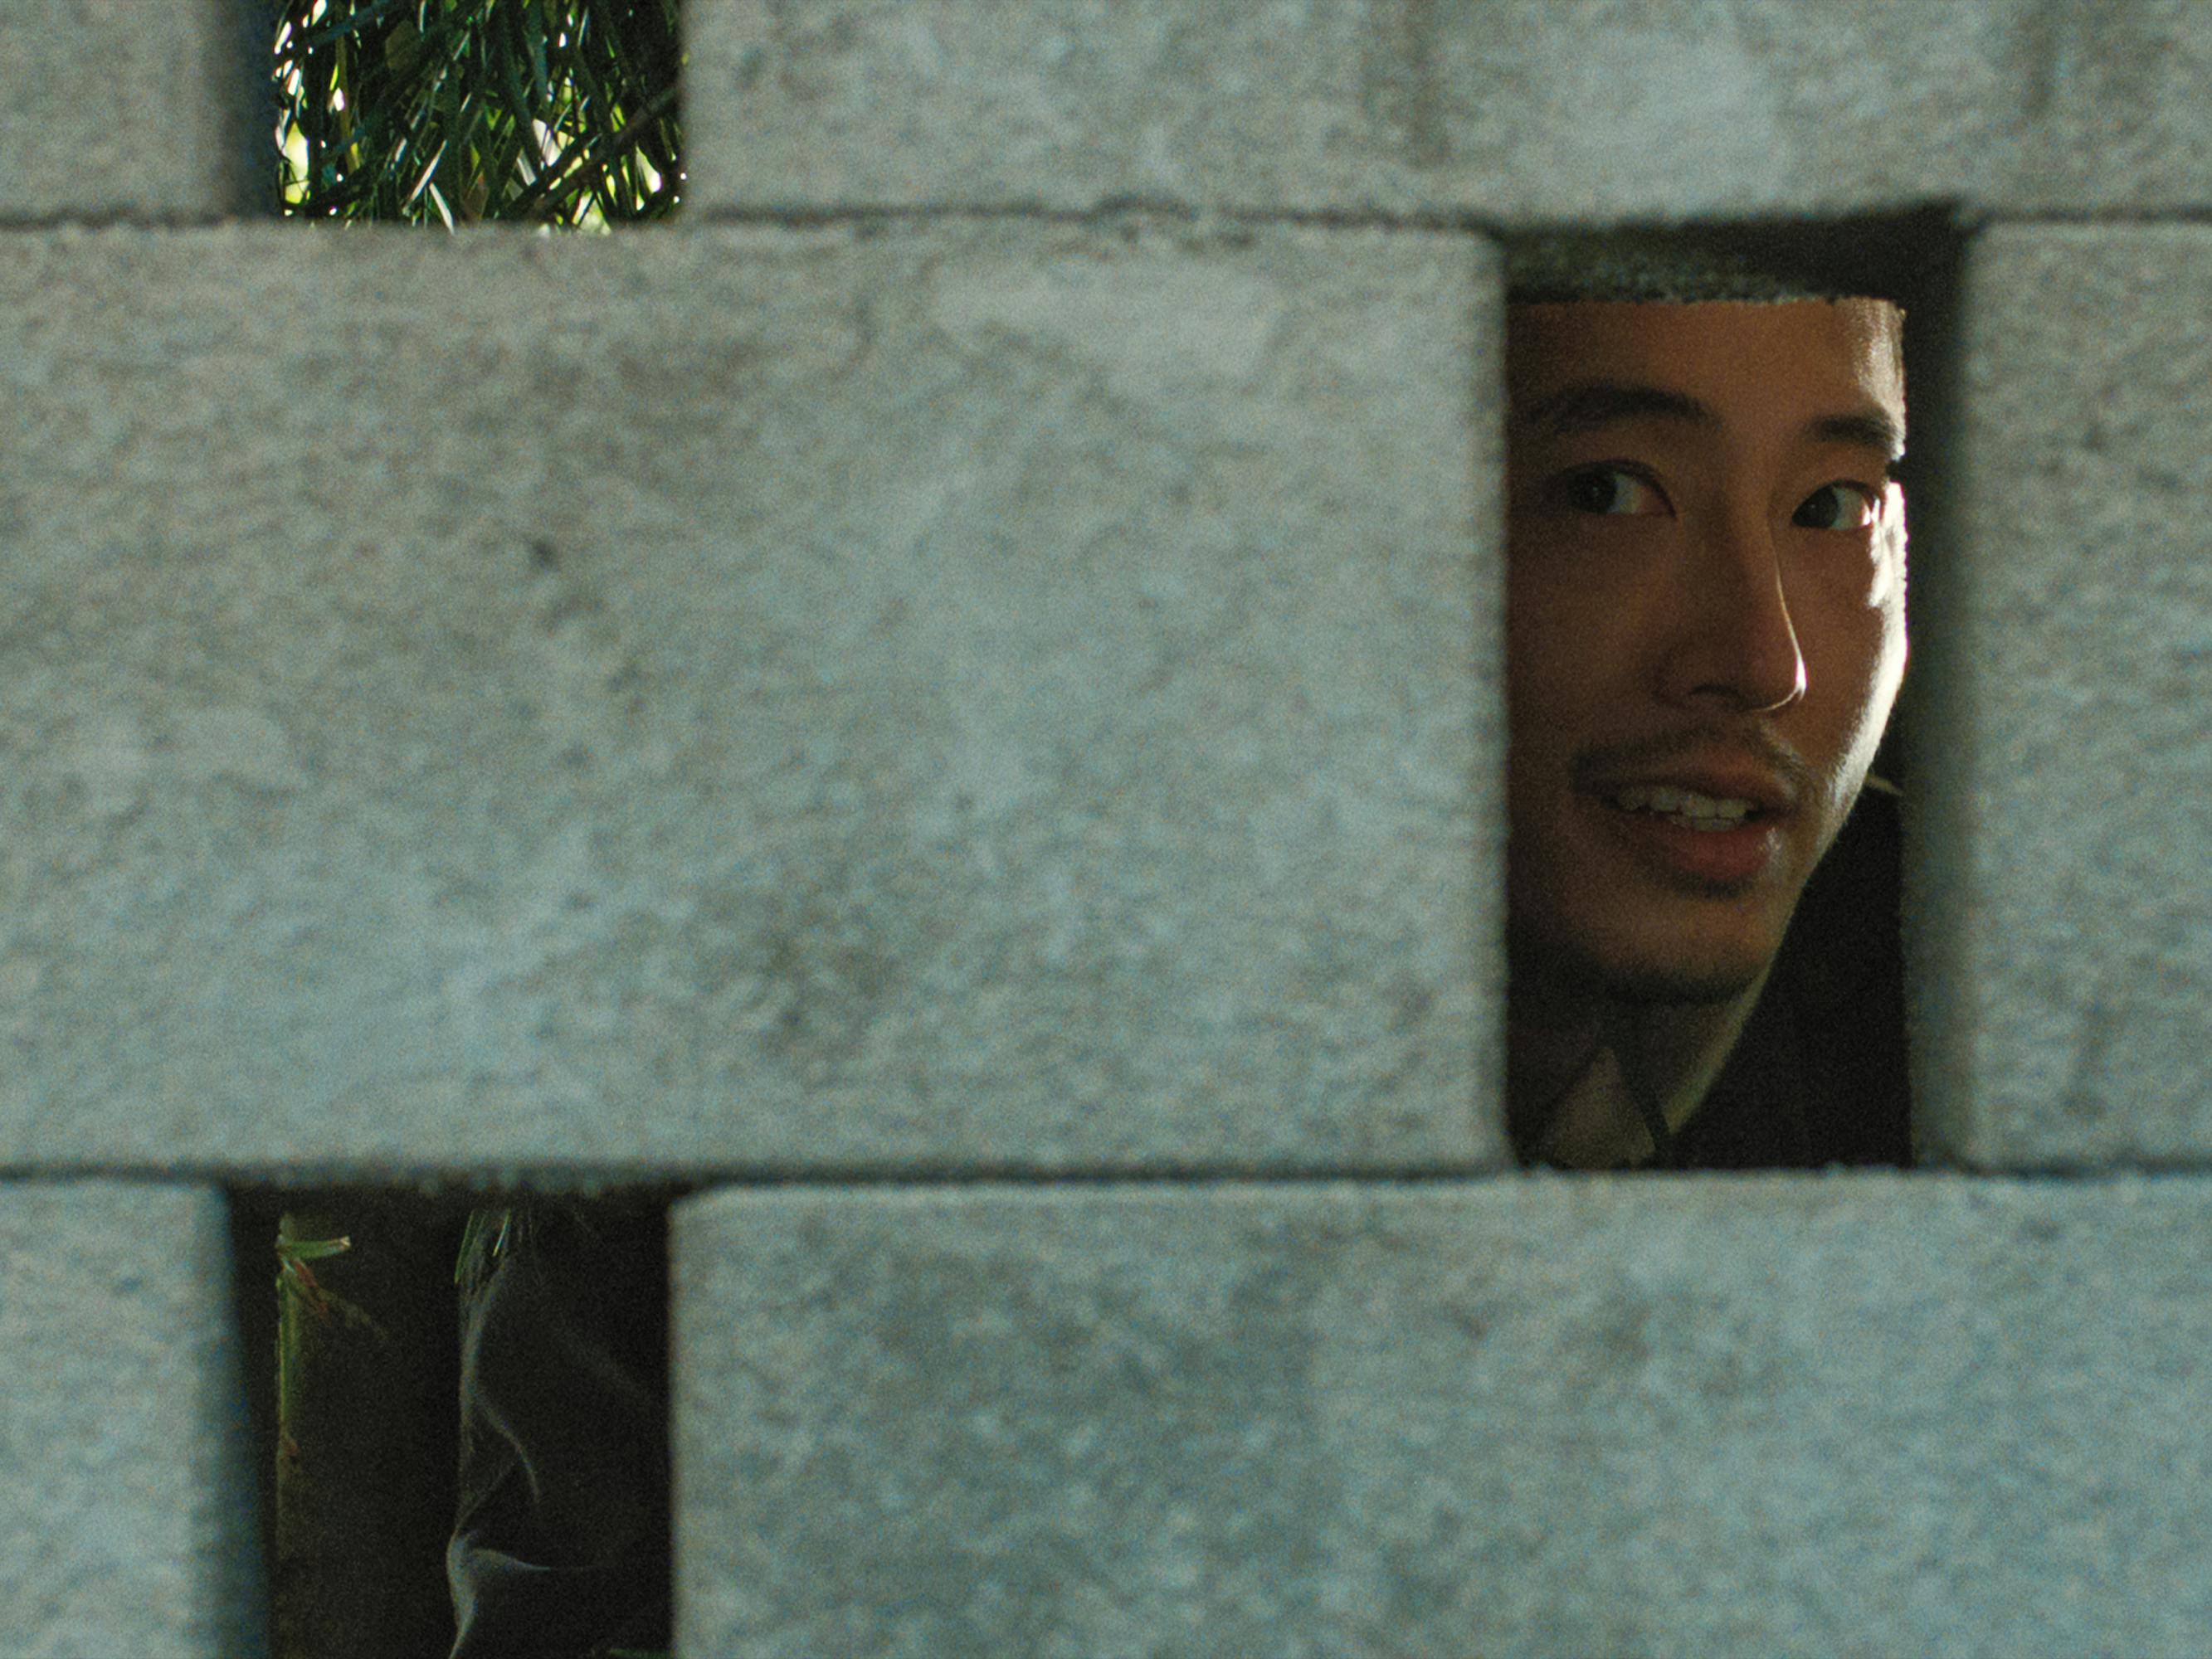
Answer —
1768 794
1732 858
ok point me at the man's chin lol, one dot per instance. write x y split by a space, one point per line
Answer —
1567 981
1679 986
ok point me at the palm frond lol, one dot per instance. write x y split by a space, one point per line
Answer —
562 111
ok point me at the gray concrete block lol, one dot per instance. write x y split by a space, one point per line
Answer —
137 109
126 1512
1527 111
2065 921
1846 1415
2106 109
994 696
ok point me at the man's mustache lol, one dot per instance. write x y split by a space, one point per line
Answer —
1743 745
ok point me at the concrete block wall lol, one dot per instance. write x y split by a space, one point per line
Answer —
815 700
126 1515
126 108
1858 1416
952 698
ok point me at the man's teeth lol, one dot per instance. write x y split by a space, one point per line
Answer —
1682 804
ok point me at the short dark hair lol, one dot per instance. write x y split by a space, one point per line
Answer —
1703 267
1691 267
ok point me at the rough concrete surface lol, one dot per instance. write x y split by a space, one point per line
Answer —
2068 919
1713 1418
1530 111
126 108
126 1511
995 695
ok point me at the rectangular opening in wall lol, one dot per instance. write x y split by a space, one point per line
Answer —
460 1404
1708 481
454 112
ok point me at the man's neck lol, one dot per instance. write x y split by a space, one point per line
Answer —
1580 1080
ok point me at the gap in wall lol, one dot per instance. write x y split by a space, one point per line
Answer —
354 1376
1914 258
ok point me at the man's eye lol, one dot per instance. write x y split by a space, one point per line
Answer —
1609 489
1839 505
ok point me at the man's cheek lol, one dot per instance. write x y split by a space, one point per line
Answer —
1889 544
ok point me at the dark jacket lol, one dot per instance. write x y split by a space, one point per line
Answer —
1818 1075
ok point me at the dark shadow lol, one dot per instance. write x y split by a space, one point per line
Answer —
355 1392
356 1459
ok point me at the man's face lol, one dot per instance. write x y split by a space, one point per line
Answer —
1705 594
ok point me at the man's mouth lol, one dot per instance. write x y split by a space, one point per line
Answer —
1724 840
1686 808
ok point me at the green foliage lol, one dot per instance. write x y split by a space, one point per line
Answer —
562 111
304 1304
482 1220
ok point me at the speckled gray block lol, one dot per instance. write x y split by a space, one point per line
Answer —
126 1500
1529 110
1720 1417
990 697
130 108
2065 930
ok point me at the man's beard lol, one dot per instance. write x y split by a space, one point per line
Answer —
1539 978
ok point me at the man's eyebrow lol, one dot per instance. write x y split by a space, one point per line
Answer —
1586 406
1868 429
1589 405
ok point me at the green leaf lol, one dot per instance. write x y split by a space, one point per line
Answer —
482 1221
461 81
533 34
313 1249
342 22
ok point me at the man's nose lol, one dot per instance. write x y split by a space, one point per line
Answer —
1735 647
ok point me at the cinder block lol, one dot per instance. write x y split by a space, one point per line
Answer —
994 695
1849 1415
2106 109
127 1515
2063 926
139 109
1529 111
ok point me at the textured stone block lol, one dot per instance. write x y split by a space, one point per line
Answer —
1725 1417
2064 926
1527 110
126 1512
129 108
1000 695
